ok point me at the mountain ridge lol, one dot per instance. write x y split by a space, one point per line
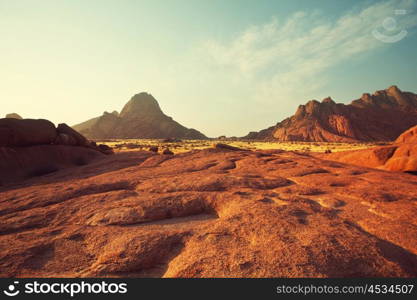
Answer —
382 116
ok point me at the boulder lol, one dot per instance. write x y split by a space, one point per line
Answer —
65 139
26 132
153 149
400 157
405 157
79 138
167 152
104 149
227 147
13 116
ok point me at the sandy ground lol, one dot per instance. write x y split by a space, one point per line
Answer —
187 145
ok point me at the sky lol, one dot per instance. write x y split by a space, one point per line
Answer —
221 67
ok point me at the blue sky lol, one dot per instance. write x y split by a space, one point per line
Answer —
222 67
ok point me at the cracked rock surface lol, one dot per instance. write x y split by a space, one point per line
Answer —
210 213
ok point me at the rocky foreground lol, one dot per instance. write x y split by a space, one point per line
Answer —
210 213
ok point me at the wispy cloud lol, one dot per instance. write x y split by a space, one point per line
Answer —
282 56
259 76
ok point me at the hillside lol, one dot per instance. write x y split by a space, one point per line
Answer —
382 116
141 117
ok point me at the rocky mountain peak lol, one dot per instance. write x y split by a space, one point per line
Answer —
141 104
328 100
366 97
312 106
141 117
393 90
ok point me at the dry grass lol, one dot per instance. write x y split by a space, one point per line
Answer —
188 145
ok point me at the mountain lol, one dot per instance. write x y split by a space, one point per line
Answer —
382 116
141 117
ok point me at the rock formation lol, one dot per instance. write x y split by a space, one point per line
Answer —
382 116
167 152
400 156
66 133
408 137
404 158
13 116
141 117
210 213
25 163
30 148
26 132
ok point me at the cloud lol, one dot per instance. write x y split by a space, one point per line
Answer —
279 57
259 76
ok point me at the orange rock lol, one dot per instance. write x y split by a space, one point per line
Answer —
210 213
401 156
